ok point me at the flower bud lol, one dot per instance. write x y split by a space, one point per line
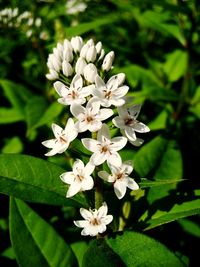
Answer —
108 60
77 43
90 72
91 54
52 75
99 47
120 77
68 55
90 42
67 68
54 62
80 65
102 54
84 50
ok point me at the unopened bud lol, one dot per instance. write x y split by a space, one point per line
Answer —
90 72
67 68
108 60
91 54
80 65
77 43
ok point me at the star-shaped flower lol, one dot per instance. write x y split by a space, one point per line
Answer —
75 94
95 221
90 117
120 178
63 137
111 93
128 123
79 179
105 148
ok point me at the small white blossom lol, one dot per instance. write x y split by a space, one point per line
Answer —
52 75
90 117
79 179
75 94
95 221
128 123
108 60
63 137
120 178
110 93
105 148
90 72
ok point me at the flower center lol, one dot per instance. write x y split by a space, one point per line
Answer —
89 119
62 139
95 221
129 121
119 175
108 94
80 177
104 149
73 94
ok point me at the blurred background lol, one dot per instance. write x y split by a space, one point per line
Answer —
156 44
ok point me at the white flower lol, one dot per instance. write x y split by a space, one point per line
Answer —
75 94
120 178
108 60
90 117
95 221
74 6
90 72
63 137
128 123
98 47
54 62
110 93
79 179
105 148
52 75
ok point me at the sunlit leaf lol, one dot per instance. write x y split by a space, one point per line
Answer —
34 180
14 145
10 115
35 242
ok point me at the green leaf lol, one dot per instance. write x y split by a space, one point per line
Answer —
17 94
34 180
101 255
14 145
79 248
147 183
147 158
52 112
159 122
35 242
10 115
9 253
88 26
175 65
184 206
34 110
190 227
137 249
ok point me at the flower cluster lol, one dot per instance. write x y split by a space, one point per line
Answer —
79 70
11 18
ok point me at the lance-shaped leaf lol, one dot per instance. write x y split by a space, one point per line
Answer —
35 242
34 180
129 249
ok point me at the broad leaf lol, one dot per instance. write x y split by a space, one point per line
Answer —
34 180
182 206
137 250
10 115
148 183
129 249
14 145
175 65
35 242
88 26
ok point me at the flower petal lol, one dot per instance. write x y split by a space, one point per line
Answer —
81 223
87 183
132 184
137 142
105 113
98 158
99 82
128 166
119 122
103 175
141 127
130 133
67 177
117 143
90 144
108 219
134 110
123 112
73 189
78 166
103 210
103 132
77 82
120 189
86 214
76 110
89 168
114 159
49 143
57 130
